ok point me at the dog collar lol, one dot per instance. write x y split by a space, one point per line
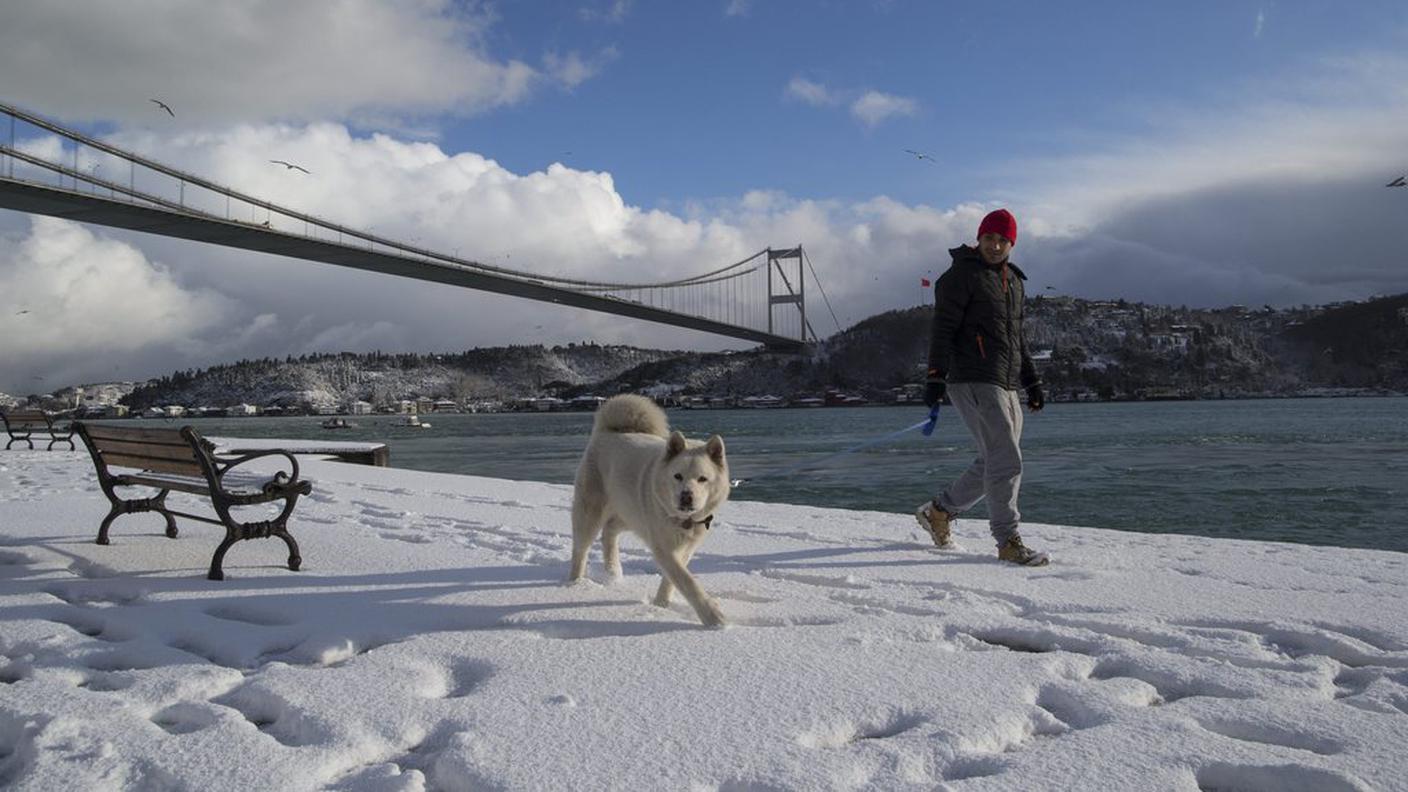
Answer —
688 525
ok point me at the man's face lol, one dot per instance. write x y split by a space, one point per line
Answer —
994 248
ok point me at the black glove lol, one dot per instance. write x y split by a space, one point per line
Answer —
1036 398
934 392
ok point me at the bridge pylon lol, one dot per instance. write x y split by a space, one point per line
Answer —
783 293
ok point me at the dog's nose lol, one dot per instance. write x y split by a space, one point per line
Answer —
686 500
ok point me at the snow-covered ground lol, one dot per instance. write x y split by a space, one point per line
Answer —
429 643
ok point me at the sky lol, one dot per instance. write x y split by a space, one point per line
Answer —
1203 154
428 643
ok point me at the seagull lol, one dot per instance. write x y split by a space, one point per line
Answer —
165 106
21 313
1401 181
291 166
922 155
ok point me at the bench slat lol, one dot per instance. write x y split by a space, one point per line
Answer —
152 450
122 433
189 468
172 482
26 415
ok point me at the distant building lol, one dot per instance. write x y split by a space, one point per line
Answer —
360 408
242 410
586 402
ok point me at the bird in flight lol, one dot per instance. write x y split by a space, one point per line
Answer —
291 166
165 106
1401 181
25 311
921 155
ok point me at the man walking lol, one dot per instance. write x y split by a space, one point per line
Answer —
978 357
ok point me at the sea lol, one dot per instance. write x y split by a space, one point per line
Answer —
1330 471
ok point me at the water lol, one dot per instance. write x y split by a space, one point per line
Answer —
1320 471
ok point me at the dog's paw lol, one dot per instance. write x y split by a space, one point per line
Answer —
580 582
712 617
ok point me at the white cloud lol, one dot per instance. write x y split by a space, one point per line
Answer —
874 108
1260 23
613 13
256 60
81 300
812 93
871 108
572 69
1272 195
735 8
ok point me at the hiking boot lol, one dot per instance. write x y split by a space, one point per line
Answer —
936 521
1018 553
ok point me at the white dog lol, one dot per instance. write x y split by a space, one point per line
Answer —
637 475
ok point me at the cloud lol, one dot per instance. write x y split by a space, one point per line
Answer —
571 70
871 108
738 8
258 60
81 301
613 13
1275 195
812 93
874 108
1260 23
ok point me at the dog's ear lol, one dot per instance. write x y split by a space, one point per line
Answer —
674 445
715 447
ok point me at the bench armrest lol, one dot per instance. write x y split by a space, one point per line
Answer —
224 463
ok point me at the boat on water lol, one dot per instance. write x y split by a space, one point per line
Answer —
413 421
338 423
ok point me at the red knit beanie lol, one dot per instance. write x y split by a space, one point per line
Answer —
999 221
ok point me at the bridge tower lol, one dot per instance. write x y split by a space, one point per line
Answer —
785 294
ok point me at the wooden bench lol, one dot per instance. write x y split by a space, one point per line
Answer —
21 424
182 460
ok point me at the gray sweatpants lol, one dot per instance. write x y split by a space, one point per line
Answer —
993 415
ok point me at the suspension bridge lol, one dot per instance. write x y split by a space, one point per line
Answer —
48 169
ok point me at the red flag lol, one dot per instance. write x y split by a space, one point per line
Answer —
924 282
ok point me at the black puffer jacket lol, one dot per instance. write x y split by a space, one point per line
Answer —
977 330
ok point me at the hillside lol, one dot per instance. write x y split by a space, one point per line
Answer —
1086 350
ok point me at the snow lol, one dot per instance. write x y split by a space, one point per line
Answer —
430 644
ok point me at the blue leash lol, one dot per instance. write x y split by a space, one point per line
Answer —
927 425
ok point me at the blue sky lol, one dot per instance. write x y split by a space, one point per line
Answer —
1199 153
694 103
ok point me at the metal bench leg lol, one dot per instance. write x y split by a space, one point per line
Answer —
113 514
68 440
217 560
14 440
156 503
294 559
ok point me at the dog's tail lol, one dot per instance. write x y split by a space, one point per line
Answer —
631 413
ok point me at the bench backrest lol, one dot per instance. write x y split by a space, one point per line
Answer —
26 419
165 450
